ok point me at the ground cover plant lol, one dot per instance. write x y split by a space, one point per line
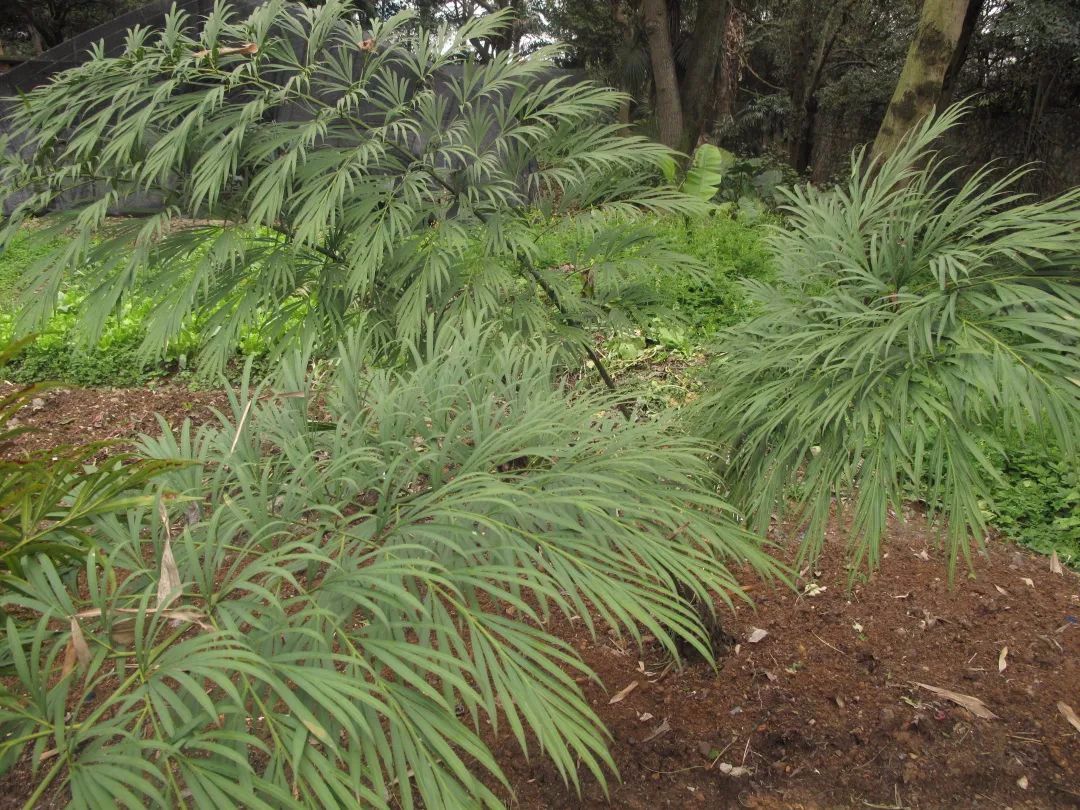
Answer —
912 325
318 612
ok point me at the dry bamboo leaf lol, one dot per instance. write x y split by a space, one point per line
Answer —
78 643
247 49
972 704
69 660
756 635
168 587
1068 713
1001 590
1028 581
663 728
622 693
1002 663
240 426
1055 564
180 614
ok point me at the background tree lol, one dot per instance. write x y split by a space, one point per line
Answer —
46 23
933 54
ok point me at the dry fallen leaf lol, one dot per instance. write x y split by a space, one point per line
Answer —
645 716
756 635
922 555
1028 581
1002 663
1022 783
622 693
972 704
1068 713
78 643
168 587
1055 564
1001 590
69 660
663 728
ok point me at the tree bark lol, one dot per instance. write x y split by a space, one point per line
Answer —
669 116
698 85
922 80
814 46
952 73
626 34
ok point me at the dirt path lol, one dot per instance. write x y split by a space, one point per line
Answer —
823 711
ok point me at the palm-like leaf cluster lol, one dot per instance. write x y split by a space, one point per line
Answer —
305 172
913 324
332 611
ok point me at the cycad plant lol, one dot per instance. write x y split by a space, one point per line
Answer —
304 171
914 322
333 611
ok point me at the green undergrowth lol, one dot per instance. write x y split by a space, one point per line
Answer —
687 307
1037 502
58 353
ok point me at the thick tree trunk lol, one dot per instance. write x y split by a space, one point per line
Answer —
922 80
698 84
669 116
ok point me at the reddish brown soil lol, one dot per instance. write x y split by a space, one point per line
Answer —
825 715
75 416
824 711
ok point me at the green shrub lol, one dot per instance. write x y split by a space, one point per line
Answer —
730 252
352 600
910 327
1037 500
310 182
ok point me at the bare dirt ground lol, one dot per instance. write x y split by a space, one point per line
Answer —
832 706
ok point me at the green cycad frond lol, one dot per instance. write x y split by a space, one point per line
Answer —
305 171
911 325
363 594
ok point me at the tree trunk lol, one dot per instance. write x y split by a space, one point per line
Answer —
812 51
698 84
669 114
727 72
952 73
922 80
626 34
